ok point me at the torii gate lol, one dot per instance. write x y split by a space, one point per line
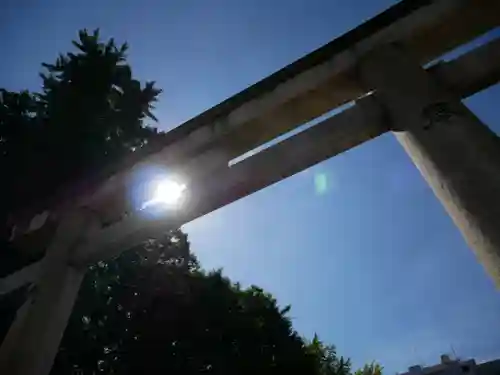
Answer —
377 67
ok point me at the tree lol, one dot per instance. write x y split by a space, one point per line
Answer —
326 359
90 114
370 369
154 310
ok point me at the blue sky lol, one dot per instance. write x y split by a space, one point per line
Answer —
373 264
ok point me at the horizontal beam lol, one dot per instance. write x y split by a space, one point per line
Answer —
358 124
284 101
339 133
302 91
16 280
472 72
465 71
324 79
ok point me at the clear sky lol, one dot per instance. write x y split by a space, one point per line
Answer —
373 264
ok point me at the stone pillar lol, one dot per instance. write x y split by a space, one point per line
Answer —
457 154
33 339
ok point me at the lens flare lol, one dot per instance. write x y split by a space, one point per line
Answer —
166 192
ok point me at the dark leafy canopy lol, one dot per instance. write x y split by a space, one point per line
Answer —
326 358
90 113
153 310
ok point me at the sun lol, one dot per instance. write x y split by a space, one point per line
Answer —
167 192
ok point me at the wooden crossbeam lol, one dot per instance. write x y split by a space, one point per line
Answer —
308 88
304 90
362 122
16 280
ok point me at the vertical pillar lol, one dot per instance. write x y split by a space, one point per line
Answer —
33 339
457 154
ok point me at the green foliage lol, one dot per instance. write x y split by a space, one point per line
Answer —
112 297
91 112
92 102
326 358
153 310
370 369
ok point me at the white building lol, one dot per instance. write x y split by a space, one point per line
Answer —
457 366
